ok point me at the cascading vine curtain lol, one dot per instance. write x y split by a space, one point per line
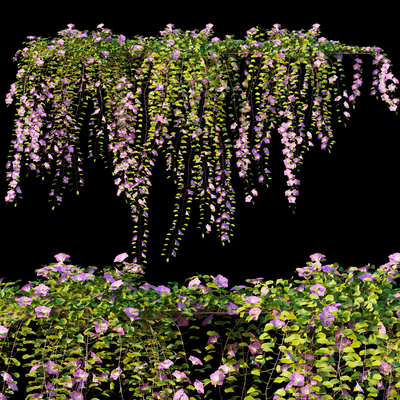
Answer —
185 82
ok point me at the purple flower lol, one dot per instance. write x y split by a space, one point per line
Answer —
42 311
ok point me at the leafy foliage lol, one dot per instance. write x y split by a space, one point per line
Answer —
327 314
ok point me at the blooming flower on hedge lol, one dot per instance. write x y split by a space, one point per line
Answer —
180 395
120 331
42 311
116 373
115 285
50 367
368 276
296 379
101 327
100 379
385 367
97 359
220 281
276 321
195 360
217 378
7 377
76 363
232 349
199 386
180 376
165 364
34 368
76 396
318 290
24 300
81 377
82 277
255 347
194 283
41 290
132 313
326 317
3 331
254 311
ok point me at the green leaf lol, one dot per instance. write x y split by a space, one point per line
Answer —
80 338
280 392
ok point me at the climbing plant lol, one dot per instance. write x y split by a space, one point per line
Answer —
140 87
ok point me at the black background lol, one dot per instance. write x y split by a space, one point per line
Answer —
346 208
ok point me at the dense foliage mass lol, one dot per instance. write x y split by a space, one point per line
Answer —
185 82
327 314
